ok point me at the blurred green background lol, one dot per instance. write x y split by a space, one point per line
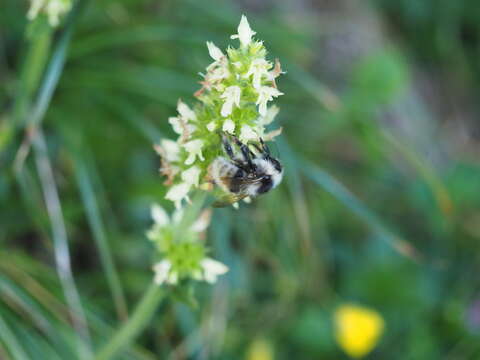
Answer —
379 205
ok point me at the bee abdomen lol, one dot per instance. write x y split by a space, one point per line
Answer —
235 184
224 173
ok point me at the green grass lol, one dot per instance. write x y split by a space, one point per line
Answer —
379 204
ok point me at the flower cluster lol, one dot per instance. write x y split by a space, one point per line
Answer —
184 254
234 97
54 9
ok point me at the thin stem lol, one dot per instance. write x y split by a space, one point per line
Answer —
94 219
60 241
49 83
136 323
55 67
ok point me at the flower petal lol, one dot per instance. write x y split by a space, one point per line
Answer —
177 193
212 269
247 134
228 126
201 224
161 270
211 126
232 96
191 176
245 33
194 149
215 53
159 215
185 112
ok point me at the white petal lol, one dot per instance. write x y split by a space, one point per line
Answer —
265 94
232 96
219 73
35 8
247 134
192 175
211 126
212 269
258 68
194 149
169 149
226 108
228 126
161 270
177 193
185 112
272 112
201 224
245 33
176 125
214 51
54 9
159 215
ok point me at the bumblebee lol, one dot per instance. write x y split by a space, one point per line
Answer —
244 172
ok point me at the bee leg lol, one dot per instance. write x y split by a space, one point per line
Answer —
228 147
265 148
245 152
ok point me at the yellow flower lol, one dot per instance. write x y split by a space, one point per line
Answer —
357 329
260 349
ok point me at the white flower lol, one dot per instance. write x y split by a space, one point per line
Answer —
219 73
163 273
176 124
201 224
231 96
215 53
272 112
212 269
247 134
211 126
159 215
169 149
191 176
263 121
266 94
194 149
35 7
177 193
258 68
245 33
228 126
53 8
185 112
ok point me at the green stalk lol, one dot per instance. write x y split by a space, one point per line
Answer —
39 34
94 219
142 314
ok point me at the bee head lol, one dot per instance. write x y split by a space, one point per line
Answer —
270 171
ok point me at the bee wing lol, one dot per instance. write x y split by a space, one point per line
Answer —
228 199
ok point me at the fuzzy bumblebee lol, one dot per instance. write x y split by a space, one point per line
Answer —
246 171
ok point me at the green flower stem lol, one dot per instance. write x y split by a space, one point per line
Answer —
39 35
135 324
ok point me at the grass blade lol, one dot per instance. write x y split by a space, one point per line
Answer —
94 219
10 340
60 241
